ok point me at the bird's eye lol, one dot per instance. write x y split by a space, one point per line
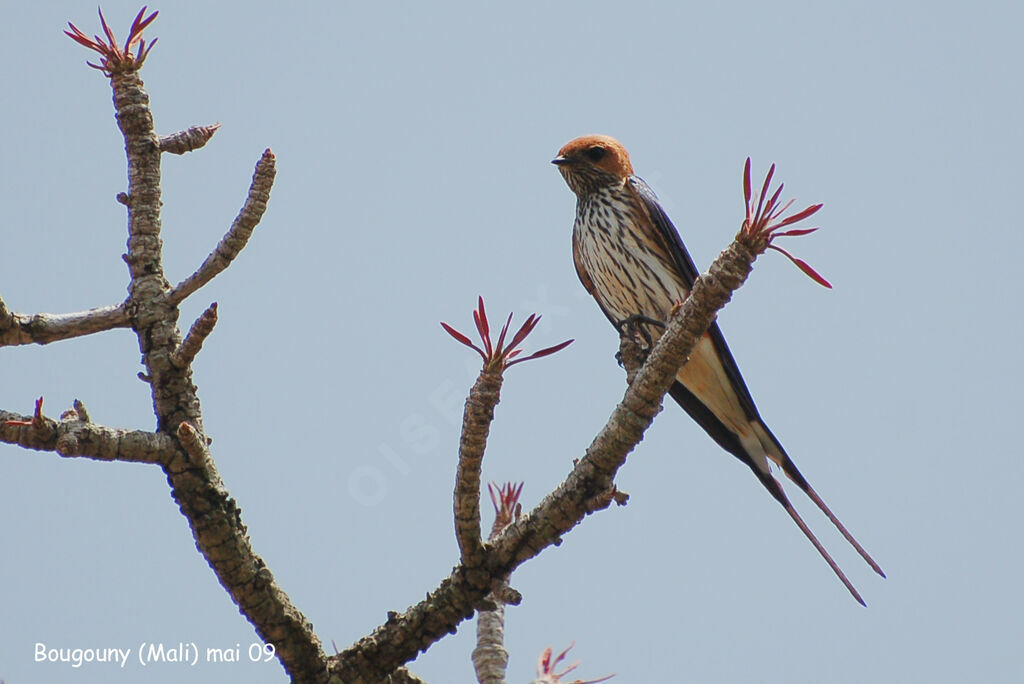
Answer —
595 153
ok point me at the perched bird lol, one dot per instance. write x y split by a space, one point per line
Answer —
630 257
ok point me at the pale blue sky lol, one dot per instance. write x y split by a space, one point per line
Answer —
413 142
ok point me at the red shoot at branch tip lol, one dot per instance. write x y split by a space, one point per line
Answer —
546 669
117 59
500 356
506 501
37 416
763 224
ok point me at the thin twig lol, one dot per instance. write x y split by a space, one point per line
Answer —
197 334
190 139
237 236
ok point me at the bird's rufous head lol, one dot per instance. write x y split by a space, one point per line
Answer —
592 161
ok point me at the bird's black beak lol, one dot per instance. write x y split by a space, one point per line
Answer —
559 161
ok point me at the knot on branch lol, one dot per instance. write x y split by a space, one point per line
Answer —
505 594
68 442
604 499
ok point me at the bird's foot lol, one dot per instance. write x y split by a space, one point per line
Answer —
634 324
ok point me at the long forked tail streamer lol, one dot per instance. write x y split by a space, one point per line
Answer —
835 521
824 554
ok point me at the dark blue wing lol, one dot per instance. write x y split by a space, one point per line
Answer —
689 272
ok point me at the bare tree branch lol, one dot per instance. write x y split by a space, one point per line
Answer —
200 330
237 236
191 138
195 483
476 424
490 657
477 417
74 436
43 328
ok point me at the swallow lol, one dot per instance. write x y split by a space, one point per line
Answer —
630 258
